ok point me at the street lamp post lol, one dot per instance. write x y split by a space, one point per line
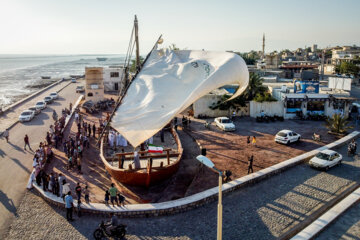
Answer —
207 162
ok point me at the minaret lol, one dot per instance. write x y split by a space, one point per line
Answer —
263 46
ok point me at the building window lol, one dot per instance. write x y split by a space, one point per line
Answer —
316 106
293 106
90 94
114 74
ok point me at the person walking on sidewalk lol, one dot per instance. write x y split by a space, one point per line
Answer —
26 140
250 164
6 135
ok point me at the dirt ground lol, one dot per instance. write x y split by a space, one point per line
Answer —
228 150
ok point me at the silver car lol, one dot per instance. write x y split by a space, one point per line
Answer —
41 105
35 109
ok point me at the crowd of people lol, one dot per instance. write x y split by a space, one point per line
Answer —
73 147
44 154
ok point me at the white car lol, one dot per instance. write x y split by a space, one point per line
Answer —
36 110
287 137
80 89
54 95
326 159
225 124
26 115
40 105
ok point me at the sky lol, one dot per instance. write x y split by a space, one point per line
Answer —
104 27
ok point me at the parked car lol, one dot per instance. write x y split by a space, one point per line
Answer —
326 159
48 100
225 124
35 109
26 115
89 106
287 137
54 95
80 89
41 105
73 80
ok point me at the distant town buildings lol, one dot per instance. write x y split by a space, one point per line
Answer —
345 53
304 81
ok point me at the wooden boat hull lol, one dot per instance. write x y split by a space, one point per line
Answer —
142 177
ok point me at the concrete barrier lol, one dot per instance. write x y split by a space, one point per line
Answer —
322 222
198 199
28 98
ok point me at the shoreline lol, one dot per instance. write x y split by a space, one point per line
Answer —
33 89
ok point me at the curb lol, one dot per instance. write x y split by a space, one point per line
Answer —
328 217
317 213
31 96
198 199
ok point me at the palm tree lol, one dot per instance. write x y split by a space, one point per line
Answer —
337 124
255 86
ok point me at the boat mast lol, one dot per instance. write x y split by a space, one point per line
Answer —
138 63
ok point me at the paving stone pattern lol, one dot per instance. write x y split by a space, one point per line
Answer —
262 211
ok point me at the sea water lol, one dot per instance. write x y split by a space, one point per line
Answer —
20 73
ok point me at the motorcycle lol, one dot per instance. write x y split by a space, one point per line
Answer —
316 137
351 150
119 232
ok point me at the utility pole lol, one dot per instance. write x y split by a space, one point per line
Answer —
138 64
263 46
322 64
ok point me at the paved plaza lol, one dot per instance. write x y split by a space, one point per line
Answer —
262 211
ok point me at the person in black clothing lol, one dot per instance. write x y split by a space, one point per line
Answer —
248 140
250 164
38 177
89 130
162 135
78 191
94 129
44 180
122 159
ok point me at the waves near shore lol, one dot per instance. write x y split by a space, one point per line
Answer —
20 75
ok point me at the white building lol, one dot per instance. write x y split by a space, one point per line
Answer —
113 78
345 53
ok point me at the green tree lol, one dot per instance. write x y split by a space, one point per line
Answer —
348 68
265 97
249 59
356 60
337 124
133 64
254 87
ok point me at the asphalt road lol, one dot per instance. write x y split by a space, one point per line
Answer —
262 211
15 162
